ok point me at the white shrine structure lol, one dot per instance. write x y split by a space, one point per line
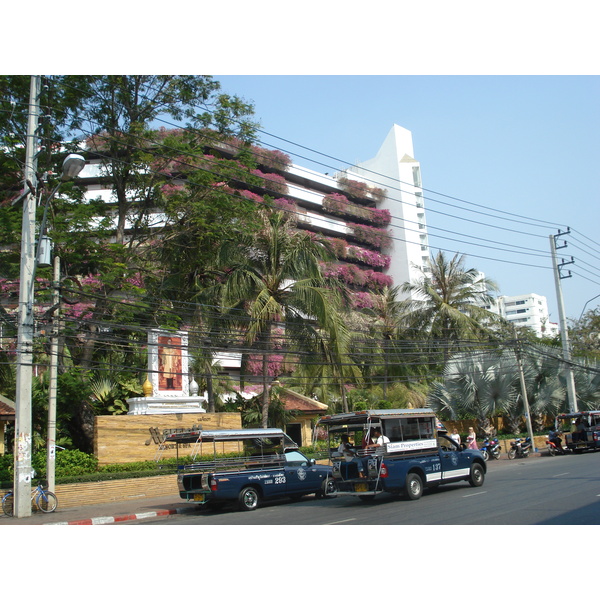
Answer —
168 388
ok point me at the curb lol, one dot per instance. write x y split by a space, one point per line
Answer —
121 518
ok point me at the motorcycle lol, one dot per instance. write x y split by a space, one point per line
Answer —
553 448
520 448
490 448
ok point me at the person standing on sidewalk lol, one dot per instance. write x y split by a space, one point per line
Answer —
472 439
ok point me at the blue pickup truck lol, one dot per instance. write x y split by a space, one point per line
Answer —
398 451
246 466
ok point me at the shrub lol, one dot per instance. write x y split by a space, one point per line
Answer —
272 182
379 238
6 467
68 462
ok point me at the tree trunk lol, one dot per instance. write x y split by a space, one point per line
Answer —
513 424
484 426
210 392
265 399
344 399
85 427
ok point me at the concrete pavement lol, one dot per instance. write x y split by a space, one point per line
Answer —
105 514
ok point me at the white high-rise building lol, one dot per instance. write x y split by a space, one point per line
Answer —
528 310
396 170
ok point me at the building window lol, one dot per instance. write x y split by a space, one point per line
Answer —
416 176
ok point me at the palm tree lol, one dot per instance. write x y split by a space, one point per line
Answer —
587 383
445 304
479 384
546 389
387 312
273 278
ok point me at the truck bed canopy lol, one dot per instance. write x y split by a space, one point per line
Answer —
575 415
230 435
365 416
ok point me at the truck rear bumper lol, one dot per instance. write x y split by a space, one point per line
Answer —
196 496
358 487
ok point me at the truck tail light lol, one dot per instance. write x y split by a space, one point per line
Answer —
383 472
213 485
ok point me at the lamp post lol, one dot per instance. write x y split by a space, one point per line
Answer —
72 166
583 309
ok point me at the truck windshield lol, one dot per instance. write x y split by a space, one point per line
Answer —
296 459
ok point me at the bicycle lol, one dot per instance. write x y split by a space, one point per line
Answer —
45 500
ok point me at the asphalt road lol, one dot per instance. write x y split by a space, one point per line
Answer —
561 490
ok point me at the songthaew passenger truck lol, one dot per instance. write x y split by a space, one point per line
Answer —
396 451
245 467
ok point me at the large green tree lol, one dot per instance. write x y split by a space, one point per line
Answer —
585 334
122 111
121 265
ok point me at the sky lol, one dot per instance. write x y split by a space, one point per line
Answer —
506 161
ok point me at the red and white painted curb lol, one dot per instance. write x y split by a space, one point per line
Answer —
121 518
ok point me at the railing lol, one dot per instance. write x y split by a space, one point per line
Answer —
235 463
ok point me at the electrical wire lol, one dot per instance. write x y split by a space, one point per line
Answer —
441 237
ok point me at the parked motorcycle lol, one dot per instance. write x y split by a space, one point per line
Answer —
490 448
520 448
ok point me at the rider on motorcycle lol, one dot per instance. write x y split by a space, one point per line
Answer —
555 438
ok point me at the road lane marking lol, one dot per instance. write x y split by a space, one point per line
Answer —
338 522
560 475
475 494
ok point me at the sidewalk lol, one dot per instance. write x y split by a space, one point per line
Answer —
105 514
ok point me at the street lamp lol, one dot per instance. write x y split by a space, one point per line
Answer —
583 309
71 167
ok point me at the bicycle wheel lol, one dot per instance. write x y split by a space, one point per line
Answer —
8 504
46 502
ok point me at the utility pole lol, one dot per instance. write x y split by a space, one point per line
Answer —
564 332
524 389
23 421
52 392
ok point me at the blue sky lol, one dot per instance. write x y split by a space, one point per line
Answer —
524 145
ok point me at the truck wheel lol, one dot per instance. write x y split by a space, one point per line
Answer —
248 498
413 486
477 476
327 489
